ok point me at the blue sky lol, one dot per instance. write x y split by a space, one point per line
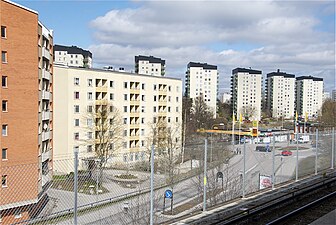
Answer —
294 36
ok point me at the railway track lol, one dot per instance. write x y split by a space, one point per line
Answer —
283 203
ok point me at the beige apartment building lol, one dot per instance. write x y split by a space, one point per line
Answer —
280 94
309 96
26 117
246 85
138 101
201 80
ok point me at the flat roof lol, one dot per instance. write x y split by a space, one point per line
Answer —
244 70
112 71
309 78
73 50
203 65
151 59
280 74
21 6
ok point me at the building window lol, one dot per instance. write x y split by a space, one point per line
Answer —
76 136
111 84
3 32
76 108
154 98
4 57
143 109
76 81
168 108
143 86
76 95
89 108
89 135
4 181
125 133
169 88
125 97
177 119
154 109
125 84
90 82
89 122
4 105
177 99
125 108
154 87
142 131
142 120
4 81
177 109
111 96
154 119
125 144
4 154
89 148
4 129
125 120
90 95
76 122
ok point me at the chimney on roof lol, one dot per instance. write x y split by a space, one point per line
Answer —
278 70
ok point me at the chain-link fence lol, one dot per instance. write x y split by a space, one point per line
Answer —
120 194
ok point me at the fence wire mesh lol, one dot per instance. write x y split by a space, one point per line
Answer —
120 194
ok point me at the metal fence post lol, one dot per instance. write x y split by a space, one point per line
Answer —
75 184
333 148
297 157
273 158
244 167
316 142
152 187
205 173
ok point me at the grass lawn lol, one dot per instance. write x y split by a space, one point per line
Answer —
85 186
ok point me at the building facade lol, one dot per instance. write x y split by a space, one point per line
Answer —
150 65
309 96
26 141
246 85
333 95
201 80
326 95
140 101
72 56
226 97
280 94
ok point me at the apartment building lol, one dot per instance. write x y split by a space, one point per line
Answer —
72 56
140 102
150 65
26 95
309 94
326 95
226 97
333 95
201 80
246 85
280 94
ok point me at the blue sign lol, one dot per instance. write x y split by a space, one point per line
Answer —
168 194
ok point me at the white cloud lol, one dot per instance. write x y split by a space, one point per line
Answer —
286 35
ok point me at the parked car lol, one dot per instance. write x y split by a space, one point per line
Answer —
286 153
262 148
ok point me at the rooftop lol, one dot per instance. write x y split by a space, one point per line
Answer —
244 70
309 78
151 59
203 65
280 74
73 50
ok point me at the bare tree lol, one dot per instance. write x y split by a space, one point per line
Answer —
327 116
248 112
201 114
104 127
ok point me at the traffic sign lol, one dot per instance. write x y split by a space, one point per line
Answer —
168 194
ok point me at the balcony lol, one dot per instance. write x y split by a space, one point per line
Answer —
46 135
46 95
101 89
46 115
134 138
47 155
135 91
134 114
101 102
46 74
162 92
135 102
45 53
134 126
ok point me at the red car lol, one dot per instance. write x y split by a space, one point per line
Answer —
286 153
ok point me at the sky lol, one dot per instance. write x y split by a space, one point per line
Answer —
297 37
